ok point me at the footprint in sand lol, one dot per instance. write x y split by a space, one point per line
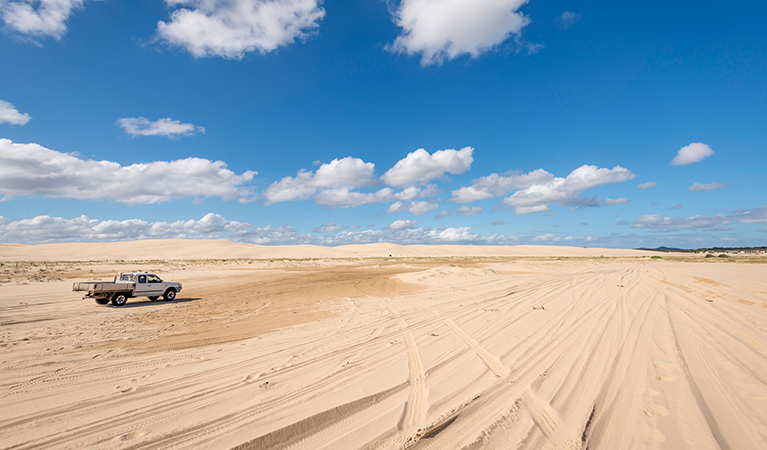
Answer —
251 378
129 390
655 411
129 436
667 378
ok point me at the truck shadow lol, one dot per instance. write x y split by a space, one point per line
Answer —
143 303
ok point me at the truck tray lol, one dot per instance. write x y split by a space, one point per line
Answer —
100 286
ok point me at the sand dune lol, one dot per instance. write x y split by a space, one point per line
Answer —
173 249
522 353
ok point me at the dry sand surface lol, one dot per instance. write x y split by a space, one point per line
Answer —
436 347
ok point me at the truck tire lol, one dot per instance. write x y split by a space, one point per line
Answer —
102 301
119 299
154 297
169 295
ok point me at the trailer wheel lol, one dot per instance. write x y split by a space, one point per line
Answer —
119 299
154 297
102 301
169 295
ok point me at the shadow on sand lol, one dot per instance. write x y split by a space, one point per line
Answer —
133 303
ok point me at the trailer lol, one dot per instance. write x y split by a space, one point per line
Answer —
126 285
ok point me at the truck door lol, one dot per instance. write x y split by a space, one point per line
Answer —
142 287
155 285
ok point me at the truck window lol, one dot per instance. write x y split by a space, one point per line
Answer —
142 278
153 278
126 277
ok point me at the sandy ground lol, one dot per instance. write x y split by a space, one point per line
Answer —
578 348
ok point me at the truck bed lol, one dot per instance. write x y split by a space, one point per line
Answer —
102 286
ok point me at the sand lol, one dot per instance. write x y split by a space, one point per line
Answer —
436 347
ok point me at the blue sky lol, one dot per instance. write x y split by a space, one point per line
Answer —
588 123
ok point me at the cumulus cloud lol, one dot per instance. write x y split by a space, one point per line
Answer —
332 227
420 166
549 237
31 169
691 154
421 208
414 208
9 114
567 19
339 175
495 185
141 126
37 19
403 225
440 30
648 185
566 191
697 187
232 28
468 210
42 229
615 201
47 229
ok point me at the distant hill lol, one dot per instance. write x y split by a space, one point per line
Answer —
711 249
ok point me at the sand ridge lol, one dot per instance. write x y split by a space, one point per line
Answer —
526 353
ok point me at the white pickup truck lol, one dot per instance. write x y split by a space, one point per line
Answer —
127 285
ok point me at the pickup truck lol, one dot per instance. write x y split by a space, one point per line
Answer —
126 285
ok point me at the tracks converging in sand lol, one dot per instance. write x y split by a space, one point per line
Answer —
528 354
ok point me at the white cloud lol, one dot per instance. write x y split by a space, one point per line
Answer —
615 201
441 30
332 227
403 225
232 28
43 229
567 19
414 208
420 166
443 214
421 208
697 187
755 215
495 185
468 210
31 169
648 185
461 234
9 114
345 198
691 154
141 126
657 223
566 191
340 175
38 18
396 207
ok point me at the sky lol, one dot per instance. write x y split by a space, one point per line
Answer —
501 122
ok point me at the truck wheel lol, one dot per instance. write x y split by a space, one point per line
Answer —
169 295
102 301
154 297
119 299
